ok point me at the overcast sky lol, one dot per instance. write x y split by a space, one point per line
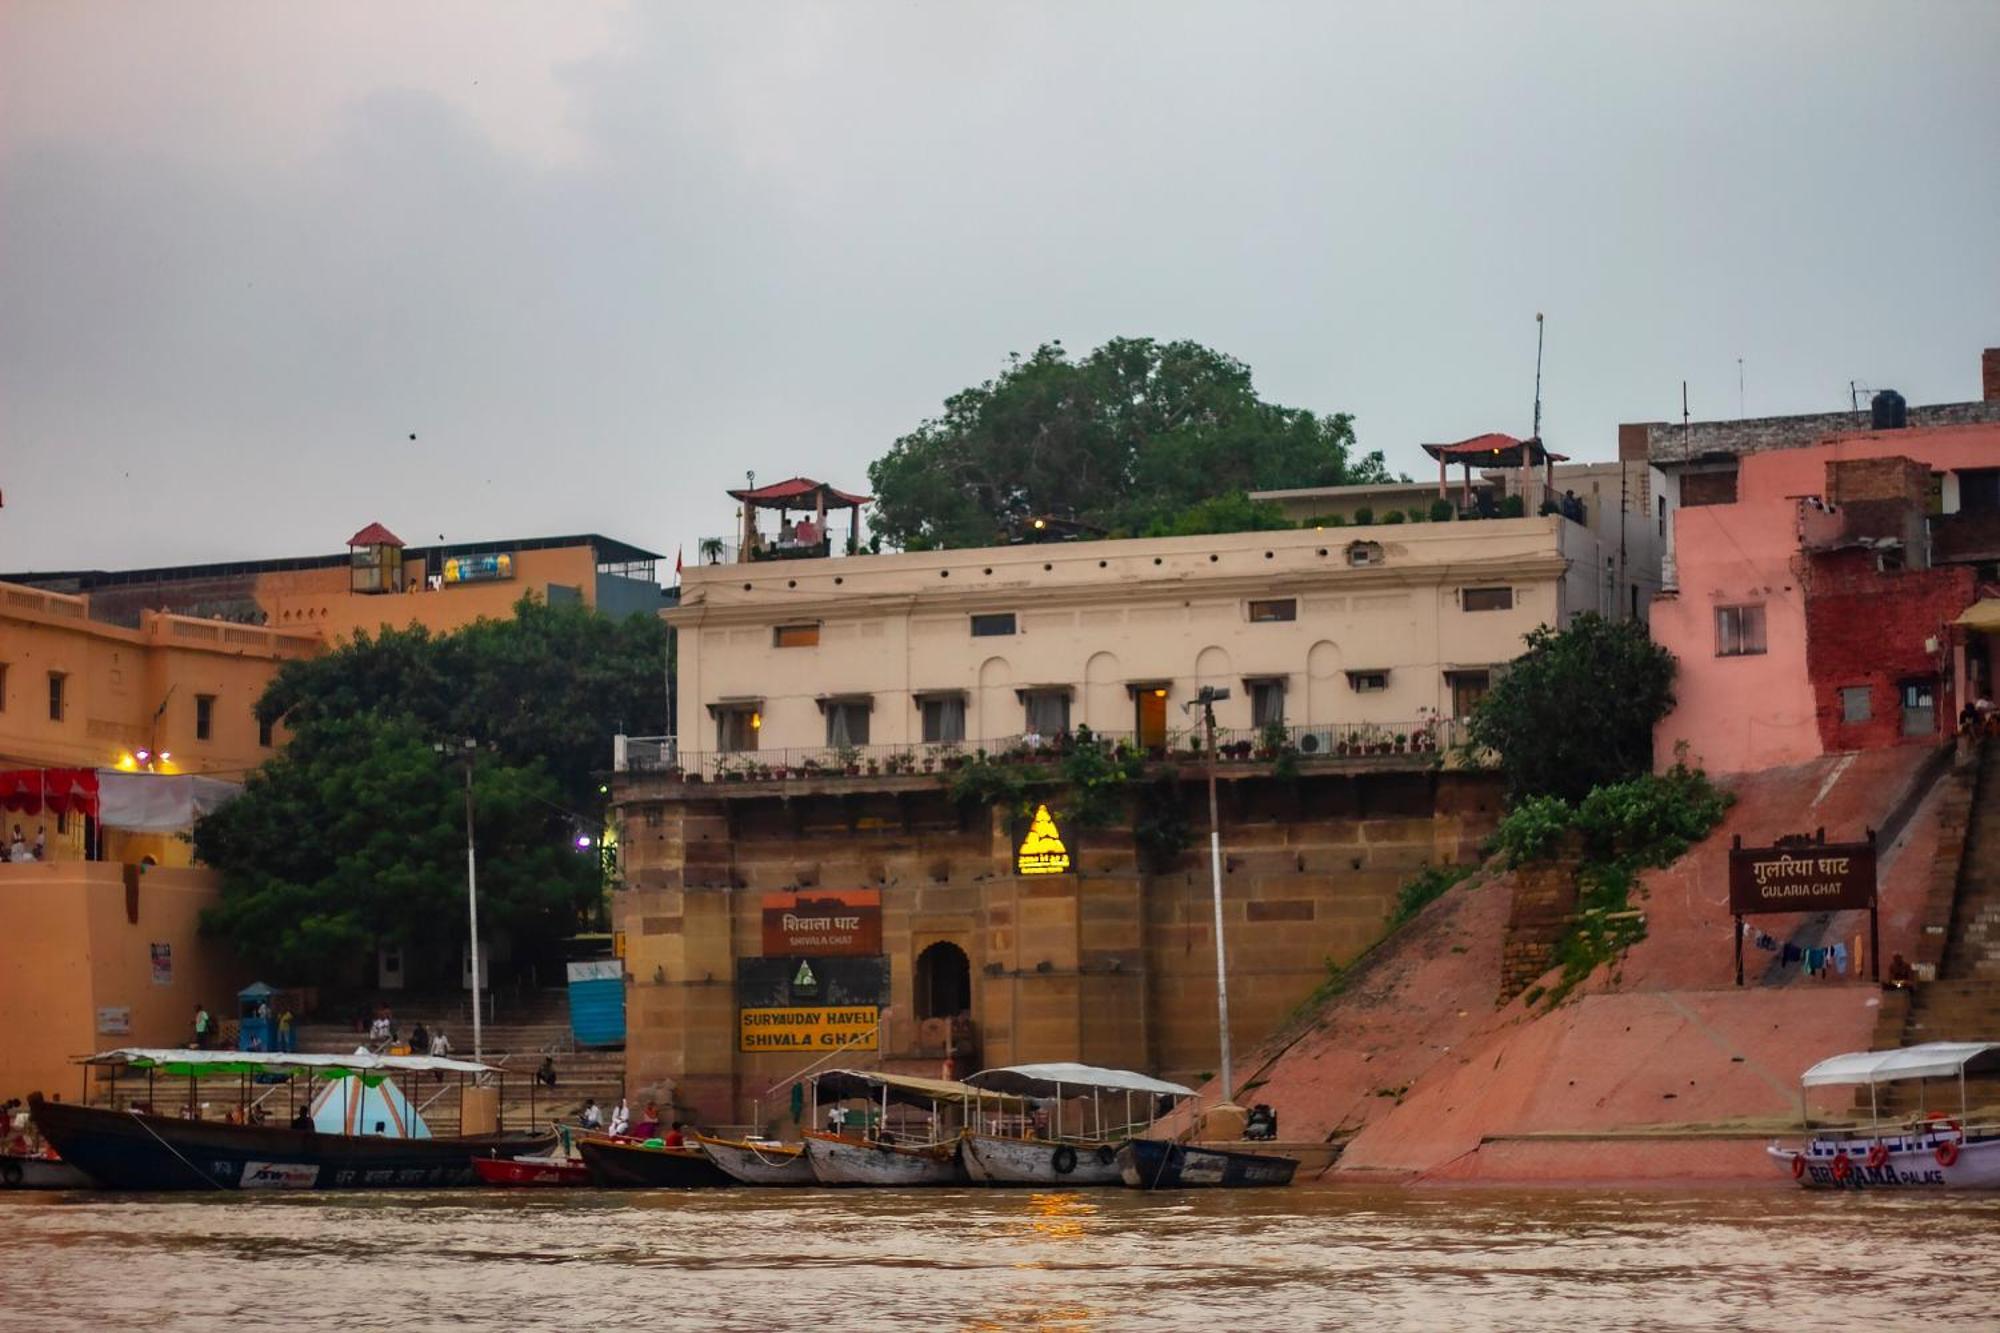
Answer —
601 261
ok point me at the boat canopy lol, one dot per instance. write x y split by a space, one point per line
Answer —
370 1069
376 1107
1050 1080
1933 1059
903 1089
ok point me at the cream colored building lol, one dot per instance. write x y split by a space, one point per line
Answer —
1383 626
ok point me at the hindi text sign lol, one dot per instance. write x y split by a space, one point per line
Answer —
822 923
1814 877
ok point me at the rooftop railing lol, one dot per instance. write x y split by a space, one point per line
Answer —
1313 743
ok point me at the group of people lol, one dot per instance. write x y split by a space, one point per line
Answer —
1979 718
622 1126
20 849
1568 505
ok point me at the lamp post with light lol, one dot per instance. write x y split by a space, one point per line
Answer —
464 752
1206 700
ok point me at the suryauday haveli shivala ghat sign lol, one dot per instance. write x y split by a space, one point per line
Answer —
1042 852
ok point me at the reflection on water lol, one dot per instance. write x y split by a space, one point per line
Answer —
991 1260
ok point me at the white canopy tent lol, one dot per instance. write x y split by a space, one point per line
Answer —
1932 1059
158 802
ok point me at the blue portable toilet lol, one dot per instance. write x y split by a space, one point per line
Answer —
597 1002
256 1019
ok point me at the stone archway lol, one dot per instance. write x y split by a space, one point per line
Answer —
943 980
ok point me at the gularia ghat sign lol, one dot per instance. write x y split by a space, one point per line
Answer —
1804 873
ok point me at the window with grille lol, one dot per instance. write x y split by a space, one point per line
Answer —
1486 599
204 716
1857 704
737 728
990 626
1267 703
1739 631
846 724
1047 711
1278 608
944 719
57 682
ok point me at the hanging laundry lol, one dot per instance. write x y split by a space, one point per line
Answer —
1766 943
1792 954
1860 953
1815 960
1840 959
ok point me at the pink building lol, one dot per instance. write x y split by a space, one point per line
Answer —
1818 611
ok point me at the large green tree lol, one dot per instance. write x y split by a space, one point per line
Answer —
1577 710
1128 439
354 835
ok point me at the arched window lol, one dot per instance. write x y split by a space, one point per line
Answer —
944 981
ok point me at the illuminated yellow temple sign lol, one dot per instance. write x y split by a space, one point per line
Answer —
1042 851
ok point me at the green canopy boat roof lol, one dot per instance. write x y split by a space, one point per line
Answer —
370 1069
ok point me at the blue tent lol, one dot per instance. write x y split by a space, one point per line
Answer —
350 1106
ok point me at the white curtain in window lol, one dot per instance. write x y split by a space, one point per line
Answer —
944 720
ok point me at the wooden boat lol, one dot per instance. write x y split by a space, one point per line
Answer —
130 1151
1932 1152
839 1160
19 1171
1158 1164
629 1164
1058 1160
548 1171
759 1162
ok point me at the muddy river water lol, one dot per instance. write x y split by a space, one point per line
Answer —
1303 1258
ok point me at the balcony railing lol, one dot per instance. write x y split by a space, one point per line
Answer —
1326 742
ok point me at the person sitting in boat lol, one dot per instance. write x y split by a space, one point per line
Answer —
621 1120
673 1138
649 1123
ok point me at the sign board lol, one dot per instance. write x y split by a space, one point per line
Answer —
822 923
1042 851
163 964
842 1027
598 969
478 568
794 982
1812 877
115 1021
617 944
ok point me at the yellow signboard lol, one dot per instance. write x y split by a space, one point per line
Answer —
1042 851
844 1027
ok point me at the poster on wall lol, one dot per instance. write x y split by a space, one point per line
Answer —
163 964
822 923
800 1003
115 1021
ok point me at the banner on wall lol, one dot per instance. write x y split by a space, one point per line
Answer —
163 964
819 923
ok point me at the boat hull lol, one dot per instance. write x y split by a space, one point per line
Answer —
1158 1164
843 1161
617 1165
543 1172
41 1173
124 1150
1924 1160
991 1160
759 1163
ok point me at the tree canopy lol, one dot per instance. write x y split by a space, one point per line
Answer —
354 835
1577 710
1128 438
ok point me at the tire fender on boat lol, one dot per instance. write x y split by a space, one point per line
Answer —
1798 1166
1064 1160
1842 1167
1878 1155
1106 1154
1947 1152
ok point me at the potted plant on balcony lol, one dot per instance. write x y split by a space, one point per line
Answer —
1402 741
874 767
849 758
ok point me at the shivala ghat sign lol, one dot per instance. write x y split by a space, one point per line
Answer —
822 923
850 1027
1804 873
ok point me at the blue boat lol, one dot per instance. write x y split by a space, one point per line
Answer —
1162 1164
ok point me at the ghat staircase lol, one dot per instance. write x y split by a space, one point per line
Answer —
1961 939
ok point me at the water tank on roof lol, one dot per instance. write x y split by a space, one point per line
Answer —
1889 410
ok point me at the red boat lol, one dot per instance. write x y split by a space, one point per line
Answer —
558 1171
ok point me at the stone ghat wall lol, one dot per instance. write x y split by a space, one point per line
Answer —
1112 964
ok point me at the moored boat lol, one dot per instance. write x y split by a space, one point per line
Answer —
838 1160
1158 1164
21 1171
759 1161
1931 1152
629 1164
546 1171
1053 1159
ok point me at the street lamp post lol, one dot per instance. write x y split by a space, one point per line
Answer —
1206 700
471 747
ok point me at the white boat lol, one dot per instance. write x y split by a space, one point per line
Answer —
1052 1157
838 1160
759 1161
1933 1151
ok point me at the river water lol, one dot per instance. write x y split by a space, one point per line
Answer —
1303 1258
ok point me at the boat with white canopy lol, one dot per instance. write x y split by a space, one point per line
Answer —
895 1129
353 1128
1930 1150
1002 1149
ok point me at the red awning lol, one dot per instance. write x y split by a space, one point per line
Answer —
1494 450
62 791
374 535
799 493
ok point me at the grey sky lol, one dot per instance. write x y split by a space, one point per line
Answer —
601 261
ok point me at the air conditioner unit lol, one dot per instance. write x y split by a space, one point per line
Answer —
1316 741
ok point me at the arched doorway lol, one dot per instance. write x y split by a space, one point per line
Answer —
943 981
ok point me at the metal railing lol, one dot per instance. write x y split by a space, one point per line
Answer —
1303 742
